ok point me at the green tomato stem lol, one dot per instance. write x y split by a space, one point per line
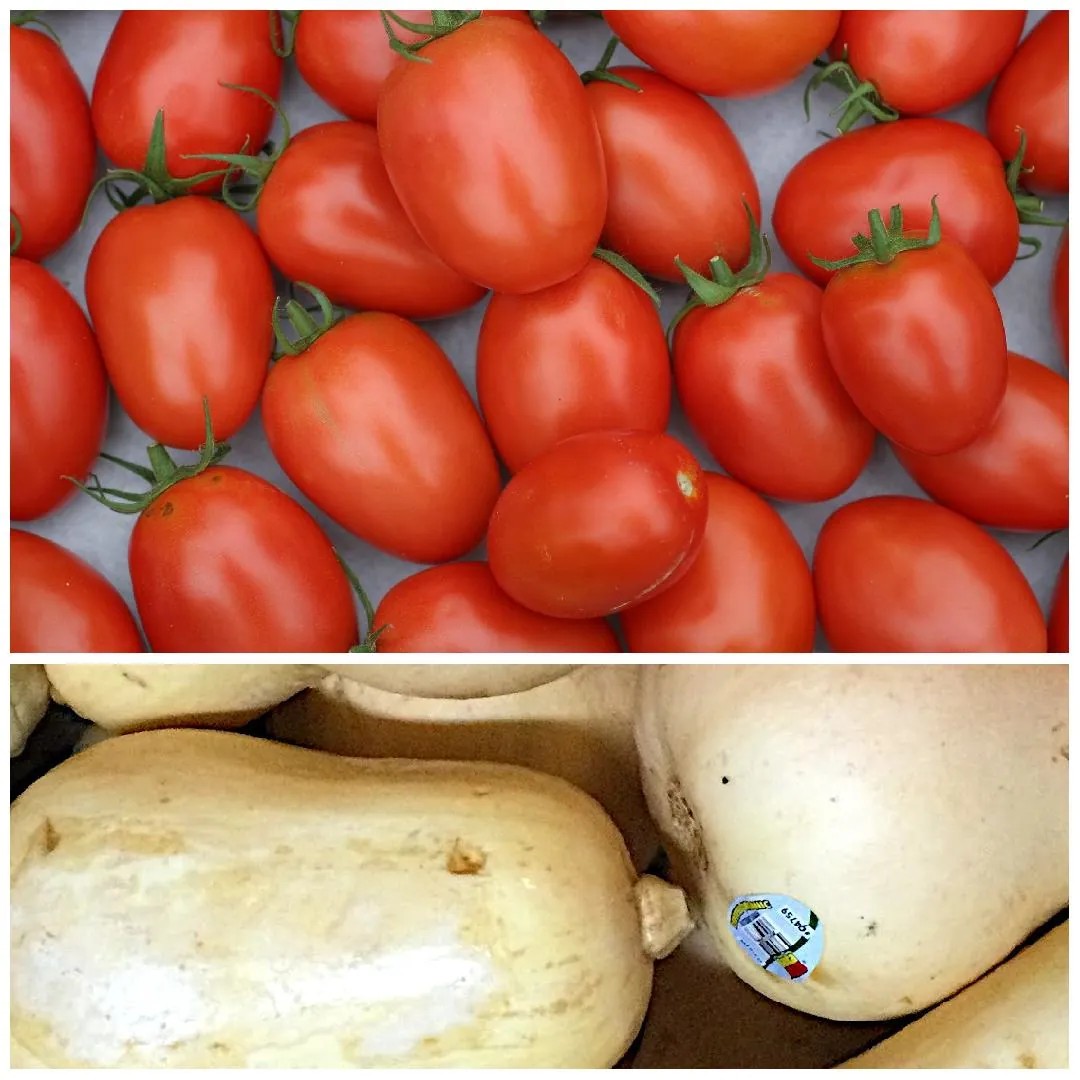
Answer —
885 243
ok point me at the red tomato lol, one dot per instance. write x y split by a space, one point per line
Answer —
597 523
919 344
53 153
177 61
374 425
225 562
494 154
1033 94
925 63
1058 624
749 589
907 162
60 604
1015 475
895 574
756 384
586 355
181 297
459 608
59 396
726 53
1061 296
677 176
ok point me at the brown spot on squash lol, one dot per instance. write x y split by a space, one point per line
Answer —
464 858
1027 1061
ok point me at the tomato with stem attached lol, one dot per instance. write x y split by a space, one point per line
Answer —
1057 625
1060 296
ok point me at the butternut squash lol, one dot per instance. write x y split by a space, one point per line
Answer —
463 680
29 702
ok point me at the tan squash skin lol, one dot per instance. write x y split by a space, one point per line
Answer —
921 811
1017 1017
450 680
194 899
29 702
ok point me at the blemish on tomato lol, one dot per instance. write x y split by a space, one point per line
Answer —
167 509
686 483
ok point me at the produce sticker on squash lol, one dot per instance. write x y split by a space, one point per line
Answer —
781 935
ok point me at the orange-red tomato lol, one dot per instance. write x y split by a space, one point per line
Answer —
896 574
53 153
1015 475
748 590
494 154
586 355
59 396
458 607
1061 296
757 387
597 523
1033 94
726 53
61 604
1057 626
374 425
329 217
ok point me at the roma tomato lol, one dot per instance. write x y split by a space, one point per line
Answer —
1033 94
494 154
373 424
61 604
597 523
726 53
586 355
52 144
59 396
176 61
181 297
676 174
895 574
459 608
1057 626
1061 297
748 590
907 163
1015 475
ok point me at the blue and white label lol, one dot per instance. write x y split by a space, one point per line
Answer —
781 935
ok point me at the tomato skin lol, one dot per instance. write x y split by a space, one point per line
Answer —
1015 475
1060 296
181 297
759 391
588 354
176 61
922 65
919 344
374 425
59 396
494 154
1057 626
1033 93
53 152
61 604
906 162
896 574
749 589
726 53
458 607
225 562
329 217
676 176
597 523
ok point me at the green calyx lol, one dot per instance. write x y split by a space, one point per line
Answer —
629 271
281 40
16 233
884 243
305 330
442 23
369 642
1029 208
163 473
30 18
600 73
861 98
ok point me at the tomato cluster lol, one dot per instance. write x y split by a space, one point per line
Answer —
475 161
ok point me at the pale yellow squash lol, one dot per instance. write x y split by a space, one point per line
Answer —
29 702
463 680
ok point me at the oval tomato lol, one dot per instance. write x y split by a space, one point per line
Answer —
726 53
177 61
373 424
1057 626
676 175
181 297
1033 94
597 523
53 153
756 384
588 354
61 604
748 590
895 574
458 607
494 154
1015 475
59 396
907 163
1061 297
